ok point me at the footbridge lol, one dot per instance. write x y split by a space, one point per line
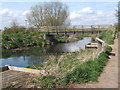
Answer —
75 29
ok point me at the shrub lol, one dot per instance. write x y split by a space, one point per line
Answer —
22 39
14 30
107 49
60 38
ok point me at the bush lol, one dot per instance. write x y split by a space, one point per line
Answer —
22 39
107 49
14 30
60 38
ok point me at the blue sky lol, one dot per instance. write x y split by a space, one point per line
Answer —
81 13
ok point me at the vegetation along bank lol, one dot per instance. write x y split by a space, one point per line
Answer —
72 68
21 38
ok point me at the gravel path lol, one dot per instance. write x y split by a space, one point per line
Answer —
109 76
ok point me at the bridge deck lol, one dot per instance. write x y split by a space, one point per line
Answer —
73 32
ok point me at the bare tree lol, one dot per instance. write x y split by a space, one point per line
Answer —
14 23
48 14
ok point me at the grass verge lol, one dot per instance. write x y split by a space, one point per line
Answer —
81 73
107 36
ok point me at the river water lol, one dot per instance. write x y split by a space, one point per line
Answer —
38 55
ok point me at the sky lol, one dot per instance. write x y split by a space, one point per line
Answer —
81 13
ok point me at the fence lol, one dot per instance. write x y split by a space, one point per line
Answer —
76 28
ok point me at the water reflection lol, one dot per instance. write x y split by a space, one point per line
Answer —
38 55
70 47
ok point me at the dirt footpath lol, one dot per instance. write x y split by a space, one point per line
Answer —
109 76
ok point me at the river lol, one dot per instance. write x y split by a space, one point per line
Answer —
38 55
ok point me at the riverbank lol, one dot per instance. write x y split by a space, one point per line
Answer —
23 40
109 76
73 71
20 40
75 67
61 70
26 40
72 38
58 67
63 64
64 70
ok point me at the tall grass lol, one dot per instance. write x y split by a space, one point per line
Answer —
82 73
107 36
71 70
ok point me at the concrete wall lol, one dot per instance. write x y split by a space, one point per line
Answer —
33 71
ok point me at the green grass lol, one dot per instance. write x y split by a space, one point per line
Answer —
47 81
88 71
107 36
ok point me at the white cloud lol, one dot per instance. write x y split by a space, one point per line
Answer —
26 12
6 12
84 16
80 13
86 10
89 16
74 15
8 16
